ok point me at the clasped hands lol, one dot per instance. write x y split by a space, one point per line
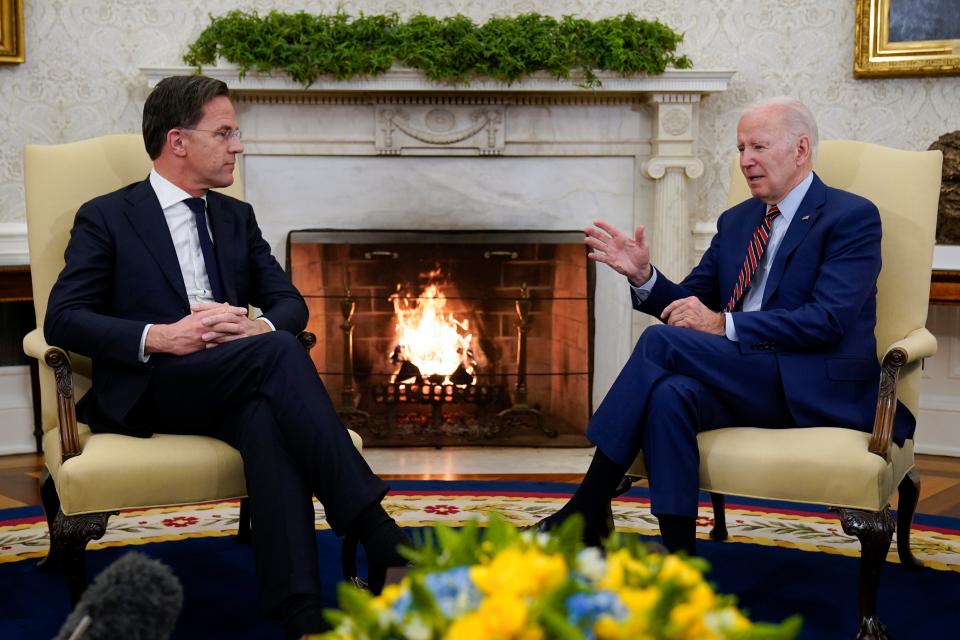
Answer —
208 325
630 256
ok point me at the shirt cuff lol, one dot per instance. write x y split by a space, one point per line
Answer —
143 357
264 318
641 292
729 329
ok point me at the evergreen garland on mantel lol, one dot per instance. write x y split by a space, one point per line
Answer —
307 46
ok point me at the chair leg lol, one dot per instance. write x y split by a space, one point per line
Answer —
909 490
68 541
51 507
244 533
719 531
874 529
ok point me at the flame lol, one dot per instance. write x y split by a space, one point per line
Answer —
428 337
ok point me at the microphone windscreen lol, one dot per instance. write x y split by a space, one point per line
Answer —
135 597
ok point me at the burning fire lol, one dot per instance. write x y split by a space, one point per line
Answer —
430 339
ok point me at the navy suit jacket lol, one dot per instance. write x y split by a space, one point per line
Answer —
819 305
122 272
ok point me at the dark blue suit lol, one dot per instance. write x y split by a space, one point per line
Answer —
806 358
260 394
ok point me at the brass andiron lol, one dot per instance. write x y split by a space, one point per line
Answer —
520 406
348 305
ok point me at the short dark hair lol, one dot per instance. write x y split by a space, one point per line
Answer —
176 101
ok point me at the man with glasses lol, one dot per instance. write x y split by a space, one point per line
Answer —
155 290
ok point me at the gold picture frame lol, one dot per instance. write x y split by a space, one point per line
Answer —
11 31
875 55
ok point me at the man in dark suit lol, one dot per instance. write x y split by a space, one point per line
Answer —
156 288
774 327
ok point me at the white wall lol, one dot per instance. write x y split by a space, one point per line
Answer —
81 79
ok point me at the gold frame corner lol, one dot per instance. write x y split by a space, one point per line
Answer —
874 56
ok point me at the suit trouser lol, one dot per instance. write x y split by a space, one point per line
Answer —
677 383
263 396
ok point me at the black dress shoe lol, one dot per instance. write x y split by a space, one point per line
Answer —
591 536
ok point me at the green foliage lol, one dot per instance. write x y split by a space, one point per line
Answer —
452 49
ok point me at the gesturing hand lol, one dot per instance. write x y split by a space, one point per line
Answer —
626 255
690 313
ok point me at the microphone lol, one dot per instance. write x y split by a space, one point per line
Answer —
135 597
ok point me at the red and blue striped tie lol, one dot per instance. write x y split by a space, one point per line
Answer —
752 260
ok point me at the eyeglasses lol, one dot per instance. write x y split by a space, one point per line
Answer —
223 134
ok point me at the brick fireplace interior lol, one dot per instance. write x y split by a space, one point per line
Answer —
451 337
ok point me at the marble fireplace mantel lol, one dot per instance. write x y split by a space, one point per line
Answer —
403 113
398 151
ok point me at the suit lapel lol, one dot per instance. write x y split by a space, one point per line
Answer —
803 220
221 224
146 217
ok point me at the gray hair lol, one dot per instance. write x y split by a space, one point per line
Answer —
797 117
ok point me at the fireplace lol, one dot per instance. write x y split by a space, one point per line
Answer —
451 337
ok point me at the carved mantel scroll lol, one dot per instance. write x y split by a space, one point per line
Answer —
439 127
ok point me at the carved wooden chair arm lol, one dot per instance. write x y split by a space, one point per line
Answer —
35 346
307 340
919 344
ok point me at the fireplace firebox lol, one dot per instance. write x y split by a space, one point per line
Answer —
451 337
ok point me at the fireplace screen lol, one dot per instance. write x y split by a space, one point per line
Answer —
438 338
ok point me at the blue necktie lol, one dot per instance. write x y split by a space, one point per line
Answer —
198 206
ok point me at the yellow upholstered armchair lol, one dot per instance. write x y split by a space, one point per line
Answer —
88 477
855 473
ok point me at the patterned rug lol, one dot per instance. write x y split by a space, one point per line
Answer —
781 559
764 523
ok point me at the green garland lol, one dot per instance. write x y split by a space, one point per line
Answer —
454 49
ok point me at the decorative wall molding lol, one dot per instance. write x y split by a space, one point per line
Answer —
437 125
13 244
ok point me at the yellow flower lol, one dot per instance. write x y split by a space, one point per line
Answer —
504 615
500 617
606 628
639 601
692 615
520 572
674 568
468 627
702 597
386 598
531 633
621 567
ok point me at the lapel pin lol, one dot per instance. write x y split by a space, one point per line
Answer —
805 218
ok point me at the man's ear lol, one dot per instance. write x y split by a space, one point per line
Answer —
175 143
803 151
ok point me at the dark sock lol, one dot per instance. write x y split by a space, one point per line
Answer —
302 614
679 533
592 498
380 536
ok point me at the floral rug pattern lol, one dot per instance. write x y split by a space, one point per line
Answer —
936 547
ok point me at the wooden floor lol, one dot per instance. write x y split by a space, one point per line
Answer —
939 477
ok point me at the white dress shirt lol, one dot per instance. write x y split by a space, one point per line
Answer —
183 230
753 299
